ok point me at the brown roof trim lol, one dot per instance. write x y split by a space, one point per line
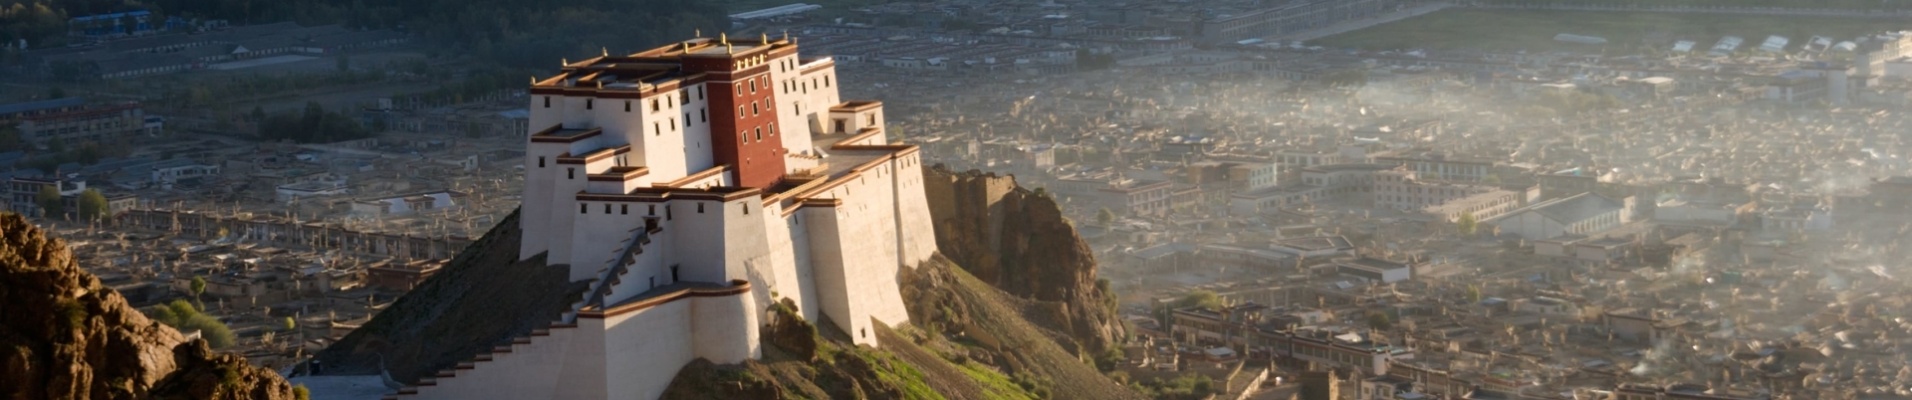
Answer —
655 195
861 134
821 202
700 175
794 191
544 136
826 63
859 105
896 150
619 174
737 287
595 155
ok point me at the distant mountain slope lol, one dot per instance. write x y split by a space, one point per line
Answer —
63 335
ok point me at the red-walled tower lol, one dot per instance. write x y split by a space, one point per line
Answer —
743 129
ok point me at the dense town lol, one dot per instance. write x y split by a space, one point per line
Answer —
1695 217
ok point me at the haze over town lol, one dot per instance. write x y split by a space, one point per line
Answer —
1284 199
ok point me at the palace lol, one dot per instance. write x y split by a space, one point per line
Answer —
692 186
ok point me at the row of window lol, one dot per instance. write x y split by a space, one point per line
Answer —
625 209
683 97
744 135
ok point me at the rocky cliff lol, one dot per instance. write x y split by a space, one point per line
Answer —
63 335
1017 240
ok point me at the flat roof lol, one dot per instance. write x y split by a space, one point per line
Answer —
17 108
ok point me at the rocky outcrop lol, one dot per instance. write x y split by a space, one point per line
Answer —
1017 240
63 335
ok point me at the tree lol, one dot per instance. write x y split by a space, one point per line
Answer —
1105 217
1473 293
301 393
1380 320
1467 224
1200 298
185 317
92 206
198 287
291 324
49 201
10 139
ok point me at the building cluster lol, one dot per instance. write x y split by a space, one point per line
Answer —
223 48
1647 226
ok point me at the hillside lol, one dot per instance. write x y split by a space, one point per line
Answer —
63 335
975 333
484 296
966 341
1017 240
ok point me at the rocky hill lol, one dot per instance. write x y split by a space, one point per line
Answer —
63 335
976 333
1017 240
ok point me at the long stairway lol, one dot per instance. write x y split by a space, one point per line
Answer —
549 342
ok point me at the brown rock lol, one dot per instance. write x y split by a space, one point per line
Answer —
1017 240
74 338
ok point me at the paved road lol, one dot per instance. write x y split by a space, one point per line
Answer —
1359 24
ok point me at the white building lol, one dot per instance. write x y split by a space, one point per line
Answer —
407 204
165 173
1581 214
691 186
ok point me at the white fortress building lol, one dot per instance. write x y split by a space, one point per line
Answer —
692 186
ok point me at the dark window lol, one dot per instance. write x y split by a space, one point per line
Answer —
540 162
674 277
607 208
759 133
700 92
702 115
584 208
753 108
746 207
683 97
653 104
587 104
700 208
570 173
686 120
547 101
653 210
627 106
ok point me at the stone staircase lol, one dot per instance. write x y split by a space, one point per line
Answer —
471 370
